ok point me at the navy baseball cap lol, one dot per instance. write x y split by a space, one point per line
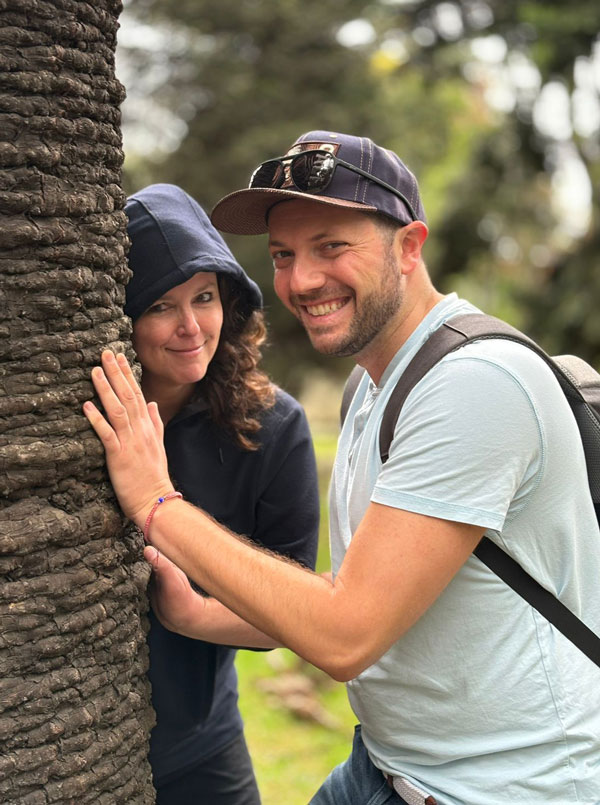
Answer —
172 239
345 171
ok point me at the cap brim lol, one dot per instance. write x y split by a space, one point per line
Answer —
245 211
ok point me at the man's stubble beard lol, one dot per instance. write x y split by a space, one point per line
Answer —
377 309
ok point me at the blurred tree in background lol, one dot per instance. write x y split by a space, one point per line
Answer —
494 105
520 232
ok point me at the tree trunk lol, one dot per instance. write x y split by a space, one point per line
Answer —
74 700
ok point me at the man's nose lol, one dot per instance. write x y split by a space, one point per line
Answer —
307 275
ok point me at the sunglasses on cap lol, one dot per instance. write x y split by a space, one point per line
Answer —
312 172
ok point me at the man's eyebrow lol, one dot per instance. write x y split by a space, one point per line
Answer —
314 238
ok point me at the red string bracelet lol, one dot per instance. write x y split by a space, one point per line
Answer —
160 500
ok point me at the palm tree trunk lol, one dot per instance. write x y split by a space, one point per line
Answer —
74 700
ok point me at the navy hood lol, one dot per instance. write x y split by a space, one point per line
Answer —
172 239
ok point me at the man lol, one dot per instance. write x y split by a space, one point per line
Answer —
464 693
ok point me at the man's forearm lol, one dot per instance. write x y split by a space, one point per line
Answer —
221 625
292 605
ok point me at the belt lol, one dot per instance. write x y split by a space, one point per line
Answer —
410 793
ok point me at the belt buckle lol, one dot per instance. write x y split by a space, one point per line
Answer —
410 793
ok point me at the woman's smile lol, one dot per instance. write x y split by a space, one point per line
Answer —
187 350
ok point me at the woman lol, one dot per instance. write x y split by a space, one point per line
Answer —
238 447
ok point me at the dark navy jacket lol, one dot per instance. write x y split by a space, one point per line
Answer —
270 495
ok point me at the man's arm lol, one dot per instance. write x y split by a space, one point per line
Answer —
397 565
181 609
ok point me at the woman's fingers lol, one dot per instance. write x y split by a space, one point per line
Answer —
155 419
132 438
103 430
128 395
167 575
152 556
128 375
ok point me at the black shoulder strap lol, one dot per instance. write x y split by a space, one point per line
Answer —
452 335
349 389
511 572
455 333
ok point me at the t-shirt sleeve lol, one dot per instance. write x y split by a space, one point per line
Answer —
468 445
287 506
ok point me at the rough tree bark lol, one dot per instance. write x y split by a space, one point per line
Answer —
74 700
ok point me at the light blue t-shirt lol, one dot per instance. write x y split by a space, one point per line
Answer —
481 702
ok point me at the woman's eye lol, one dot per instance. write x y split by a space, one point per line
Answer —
205 296
157 308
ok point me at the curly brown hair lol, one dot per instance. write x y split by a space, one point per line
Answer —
236 390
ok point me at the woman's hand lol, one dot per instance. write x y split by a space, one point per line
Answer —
132 438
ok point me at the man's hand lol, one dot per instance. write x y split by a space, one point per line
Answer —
132 438
179 608
176 605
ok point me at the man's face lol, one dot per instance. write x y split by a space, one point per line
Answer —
337 272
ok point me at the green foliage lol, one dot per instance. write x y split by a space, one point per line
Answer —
248 76
497 237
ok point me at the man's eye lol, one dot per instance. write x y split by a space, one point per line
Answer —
337 244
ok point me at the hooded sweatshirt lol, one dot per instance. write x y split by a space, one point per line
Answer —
171 240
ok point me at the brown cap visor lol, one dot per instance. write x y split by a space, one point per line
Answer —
245 211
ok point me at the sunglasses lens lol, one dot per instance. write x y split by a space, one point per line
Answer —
269 174
311 172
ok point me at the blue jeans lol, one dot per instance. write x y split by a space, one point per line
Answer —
356 782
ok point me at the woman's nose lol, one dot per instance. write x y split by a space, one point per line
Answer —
188 323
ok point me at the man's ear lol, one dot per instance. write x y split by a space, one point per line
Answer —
409 244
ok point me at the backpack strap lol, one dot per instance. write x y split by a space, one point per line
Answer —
350 387
560 616
452 335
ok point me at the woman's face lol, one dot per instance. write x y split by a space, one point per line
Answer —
177 337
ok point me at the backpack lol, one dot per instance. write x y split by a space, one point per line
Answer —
581 386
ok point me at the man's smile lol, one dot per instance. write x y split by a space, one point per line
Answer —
324 308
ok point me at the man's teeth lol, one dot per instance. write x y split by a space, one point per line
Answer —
324 309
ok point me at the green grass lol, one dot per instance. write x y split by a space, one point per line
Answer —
292 755
283 700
